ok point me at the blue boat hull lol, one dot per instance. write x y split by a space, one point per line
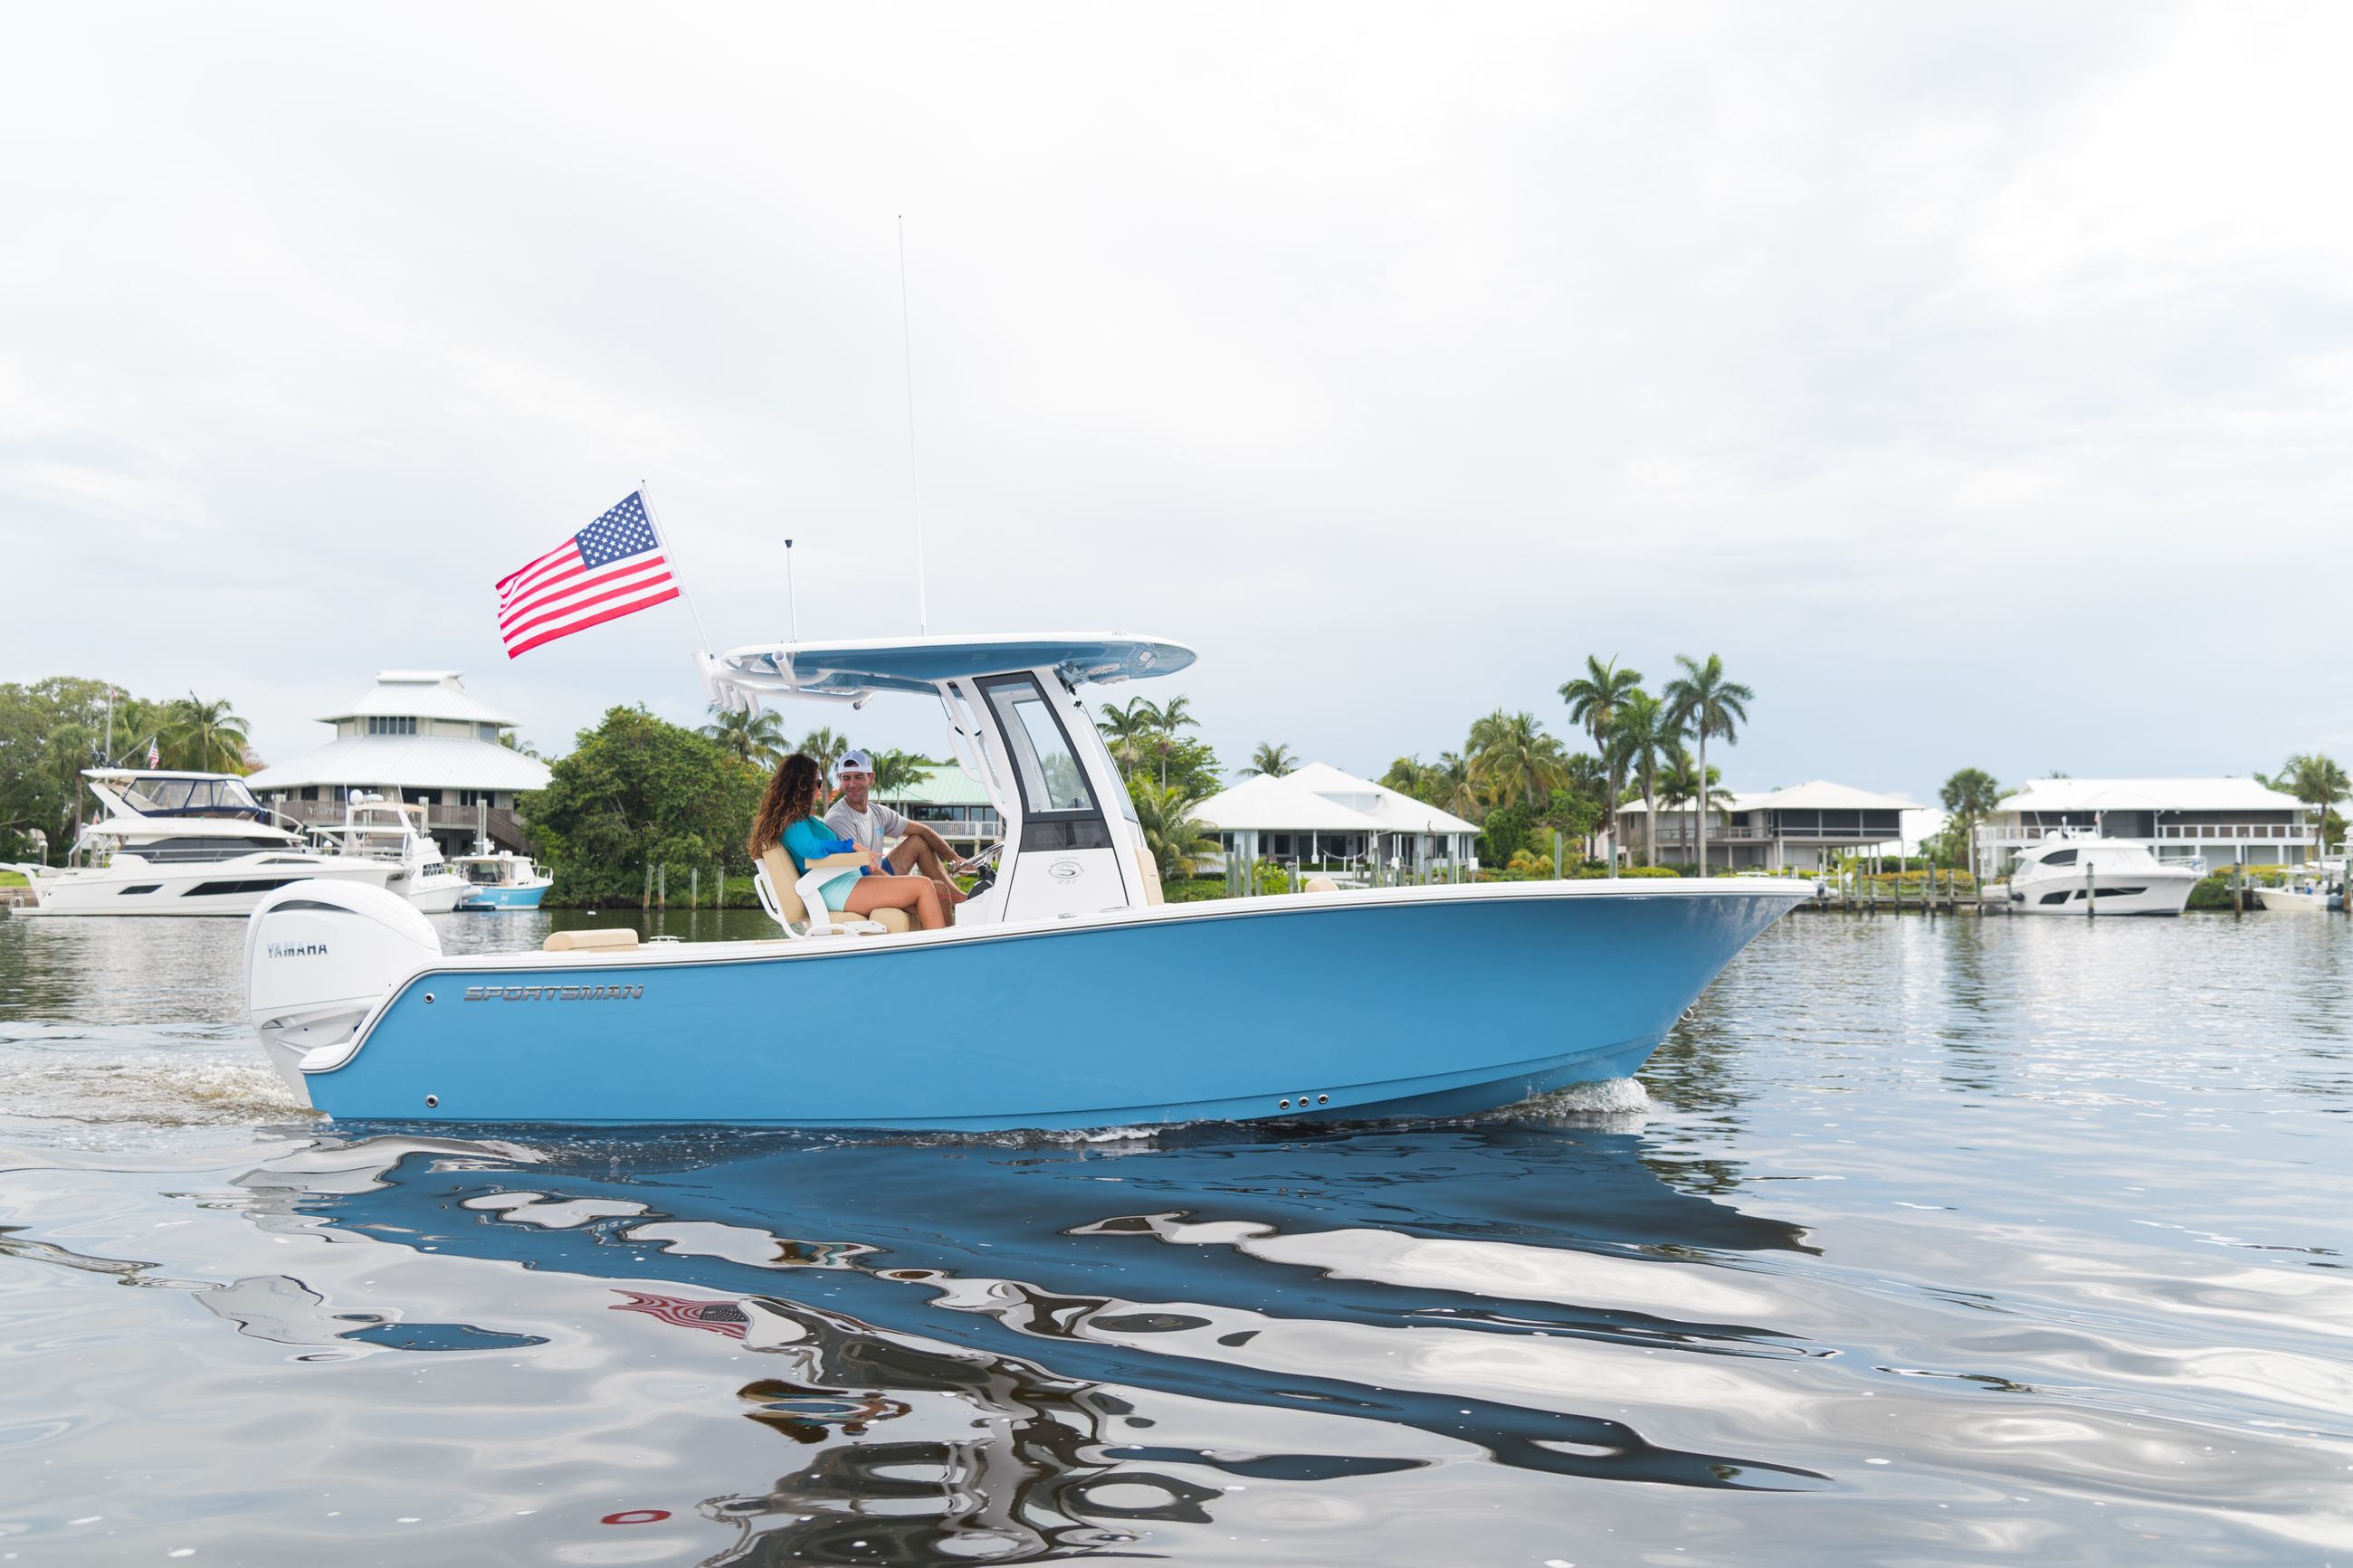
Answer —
503 898
1318 1009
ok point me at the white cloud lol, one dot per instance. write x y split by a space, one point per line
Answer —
1976 380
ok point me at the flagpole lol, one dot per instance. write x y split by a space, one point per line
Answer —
676 575
792 600
915 483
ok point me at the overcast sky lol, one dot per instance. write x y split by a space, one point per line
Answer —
1975 379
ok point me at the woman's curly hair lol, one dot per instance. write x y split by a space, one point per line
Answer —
792 795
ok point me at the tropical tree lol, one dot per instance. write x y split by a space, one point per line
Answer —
1704 703
1178 841
2315 780
1271 761
895 770
1645 734
1513 760
1969 797
204 737
754 738
1594 700
1129 731
1682 784
823 745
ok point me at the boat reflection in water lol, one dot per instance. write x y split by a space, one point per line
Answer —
990 1350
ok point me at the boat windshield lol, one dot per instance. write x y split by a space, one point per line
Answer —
1052 779
485 873
153 794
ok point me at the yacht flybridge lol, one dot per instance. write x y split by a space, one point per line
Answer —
393 831
1367 1002
183 844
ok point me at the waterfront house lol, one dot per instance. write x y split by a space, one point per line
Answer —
2220 822
417 735
1805 827
950 803
1318 815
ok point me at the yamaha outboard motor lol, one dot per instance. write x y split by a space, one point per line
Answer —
319 956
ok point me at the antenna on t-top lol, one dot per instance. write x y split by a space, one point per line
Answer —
792 599
915 483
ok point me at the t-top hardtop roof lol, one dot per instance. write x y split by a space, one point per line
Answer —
857 669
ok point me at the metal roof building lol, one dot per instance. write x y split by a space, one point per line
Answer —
417 735
1318 814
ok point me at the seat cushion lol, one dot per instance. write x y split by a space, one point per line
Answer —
592 938
781 880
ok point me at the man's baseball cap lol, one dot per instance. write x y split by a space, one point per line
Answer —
854 762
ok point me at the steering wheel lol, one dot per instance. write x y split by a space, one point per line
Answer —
985 865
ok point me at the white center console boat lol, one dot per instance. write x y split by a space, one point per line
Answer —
181 844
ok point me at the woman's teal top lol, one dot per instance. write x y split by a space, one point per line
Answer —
810 839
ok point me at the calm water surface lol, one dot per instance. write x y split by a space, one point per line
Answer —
1918 1243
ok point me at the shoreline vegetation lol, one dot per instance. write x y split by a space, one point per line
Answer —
644 813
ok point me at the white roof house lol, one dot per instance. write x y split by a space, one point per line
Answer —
1805 826
1396 811
2222 822
2146 795
417 735
1319 814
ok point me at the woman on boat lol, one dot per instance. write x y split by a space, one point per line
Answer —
791 815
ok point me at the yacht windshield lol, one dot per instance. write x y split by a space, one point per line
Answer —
156 795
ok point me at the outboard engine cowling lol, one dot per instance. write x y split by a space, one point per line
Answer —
319 956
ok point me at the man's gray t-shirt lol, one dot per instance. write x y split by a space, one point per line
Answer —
867 829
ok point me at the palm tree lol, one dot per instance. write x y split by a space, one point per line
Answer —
1646 732
1178 841
1705 704
1512 758
2315 780
1269 759
1682 784
1968 796
1169 717
205 737
895 770
1594 700
822 744
1129 731
754 738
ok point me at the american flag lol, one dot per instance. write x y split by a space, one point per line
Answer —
155 757
614 567
719 1317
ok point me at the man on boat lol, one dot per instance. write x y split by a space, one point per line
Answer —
867 822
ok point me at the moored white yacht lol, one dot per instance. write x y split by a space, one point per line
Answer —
183 844
392 831
2077 874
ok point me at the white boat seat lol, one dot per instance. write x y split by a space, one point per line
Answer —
600 939
788 899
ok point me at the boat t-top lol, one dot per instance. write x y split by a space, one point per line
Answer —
172 843
2078 873
393 831
1043 1006
501 879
